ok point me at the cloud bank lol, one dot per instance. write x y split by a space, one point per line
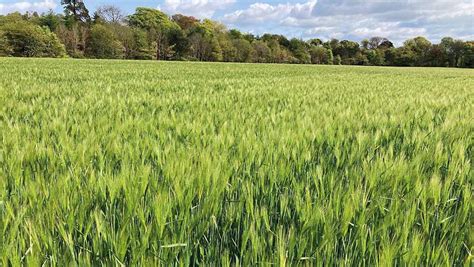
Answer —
358 19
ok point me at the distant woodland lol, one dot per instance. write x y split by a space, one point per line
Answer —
149 34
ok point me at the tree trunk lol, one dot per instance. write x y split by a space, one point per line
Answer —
157 49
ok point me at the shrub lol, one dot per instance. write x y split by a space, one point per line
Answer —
5 47
103 43
24 39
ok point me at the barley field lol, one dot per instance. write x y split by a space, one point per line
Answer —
169 163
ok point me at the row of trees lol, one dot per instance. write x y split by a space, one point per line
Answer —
151 34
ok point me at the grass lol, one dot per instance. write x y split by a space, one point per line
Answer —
147 163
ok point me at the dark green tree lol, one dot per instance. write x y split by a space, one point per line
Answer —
103 43
50 20
299 48
319 55
468 57
5 48
419 47
376 57
76 10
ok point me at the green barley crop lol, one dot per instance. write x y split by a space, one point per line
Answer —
160 163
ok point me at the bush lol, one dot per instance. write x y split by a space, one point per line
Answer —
24 39
103 43
5 47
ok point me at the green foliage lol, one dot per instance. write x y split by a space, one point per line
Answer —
24 39
229 52
75 11
299 48
360 59
319 55
244 50
468 55
50 20
204 47
151 19
347 50
235 34
11 18
419 48
405 57
103 43
261 52
53 47
5 48
134 41
376 57
186 23
160 29
330 57
107 163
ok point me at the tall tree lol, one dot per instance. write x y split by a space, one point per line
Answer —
347 50
468 55
185 22
316 42
158 25
319 55
229 52
453 49
76 9
244 50
376 57
436 56
376 41
299 48
50 20
419 46
103 43
110 14
77 20
134 42
261 52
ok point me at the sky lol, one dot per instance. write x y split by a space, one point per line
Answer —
355 20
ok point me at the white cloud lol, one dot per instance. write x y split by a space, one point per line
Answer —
357 19
261 12
198 8
24 6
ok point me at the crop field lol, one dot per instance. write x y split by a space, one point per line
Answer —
173 163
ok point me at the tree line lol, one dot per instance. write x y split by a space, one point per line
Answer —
149 34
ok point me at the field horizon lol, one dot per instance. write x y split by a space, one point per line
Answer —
230 63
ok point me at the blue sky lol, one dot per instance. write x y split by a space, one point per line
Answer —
342 19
